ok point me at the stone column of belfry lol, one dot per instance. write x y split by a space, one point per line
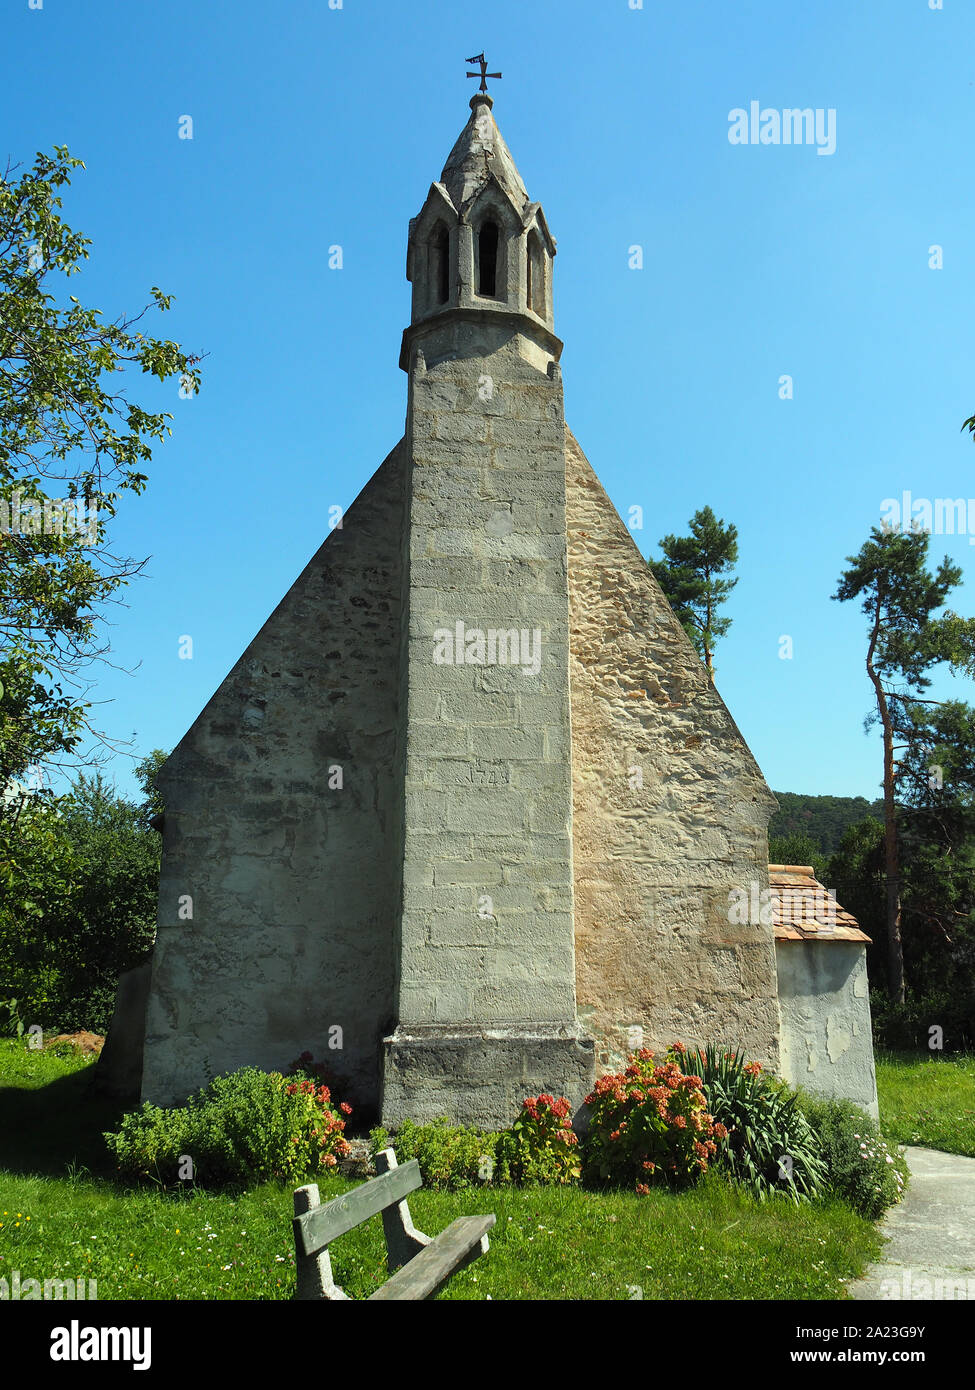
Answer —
486 1009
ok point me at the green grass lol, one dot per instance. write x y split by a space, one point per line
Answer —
928 1100
63 1216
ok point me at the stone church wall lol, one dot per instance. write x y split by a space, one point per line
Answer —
656 956
294 883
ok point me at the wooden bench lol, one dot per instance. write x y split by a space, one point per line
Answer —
424 1264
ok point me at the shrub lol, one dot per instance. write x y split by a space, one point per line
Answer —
540 1147
79 878
449 1155
861 1167
649 1123
11 1023
247 1127
907 1026
767 1142
305 1068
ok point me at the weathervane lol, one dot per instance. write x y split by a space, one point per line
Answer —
480 58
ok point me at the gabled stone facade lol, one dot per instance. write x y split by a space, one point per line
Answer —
469 796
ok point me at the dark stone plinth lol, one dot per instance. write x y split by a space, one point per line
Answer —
480 1076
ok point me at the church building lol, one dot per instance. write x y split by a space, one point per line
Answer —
468 819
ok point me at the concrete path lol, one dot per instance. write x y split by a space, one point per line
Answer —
931 1248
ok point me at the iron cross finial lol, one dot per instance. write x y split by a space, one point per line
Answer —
480 58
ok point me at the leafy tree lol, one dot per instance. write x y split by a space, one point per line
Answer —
111 922
80 876
38 877
797 848
825 819
856 874
690 576
147 772
70 443
936 787
905 640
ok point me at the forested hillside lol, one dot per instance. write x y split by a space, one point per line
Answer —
822 818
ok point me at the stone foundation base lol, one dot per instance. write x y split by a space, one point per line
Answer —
480 1076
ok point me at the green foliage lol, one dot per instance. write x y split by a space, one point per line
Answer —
768 1144
147 772
244 1128
540 1147
912 1025
899 597
906 638
71 441
649 1124
80 876
861 1167
796 848
936 789
822 819
689 575
11 1023
559 1242
111 923
39 875
450 1156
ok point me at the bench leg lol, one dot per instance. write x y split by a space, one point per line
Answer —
403 1240
314 1271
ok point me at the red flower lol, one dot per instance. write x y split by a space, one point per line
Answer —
345 1108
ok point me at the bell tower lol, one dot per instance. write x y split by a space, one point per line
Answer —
485 990
480 250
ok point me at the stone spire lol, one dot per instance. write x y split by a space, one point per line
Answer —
481 249
479 153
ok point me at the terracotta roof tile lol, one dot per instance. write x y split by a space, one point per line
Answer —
803 910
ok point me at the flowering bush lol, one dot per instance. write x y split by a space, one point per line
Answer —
540 1147
649 1123
862 1167
316 1124
243 1128
322 1073
449 1155
766 1142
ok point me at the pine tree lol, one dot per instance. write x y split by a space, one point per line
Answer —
689 575
899 597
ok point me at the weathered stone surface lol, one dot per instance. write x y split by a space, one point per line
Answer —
291 931
827 1043
481 1074
654 863
118 1071
459 967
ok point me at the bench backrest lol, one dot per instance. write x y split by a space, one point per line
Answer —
324 1224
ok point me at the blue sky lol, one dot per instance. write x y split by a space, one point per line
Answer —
315 126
